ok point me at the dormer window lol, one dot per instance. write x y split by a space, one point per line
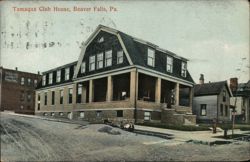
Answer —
108 58
44 80
83 67
58 76
67 73
169 64
184 69
50 78
91 63
151 57
99 60
119 57
100 40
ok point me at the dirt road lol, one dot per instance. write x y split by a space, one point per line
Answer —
31 139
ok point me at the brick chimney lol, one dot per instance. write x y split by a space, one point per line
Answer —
233 84
201 79
38 72
16 69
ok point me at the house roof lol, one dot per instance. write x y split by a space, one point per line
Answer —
210 88
243 89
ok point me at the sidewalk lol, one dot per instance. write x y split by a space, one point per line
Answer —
206 136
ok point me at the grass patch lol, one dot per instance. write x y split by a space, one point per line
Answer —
177 127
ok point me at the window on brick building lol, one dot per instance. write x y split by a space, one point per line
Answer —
35 82
119 113
147 116
29 81
82 114
22 96
22 81
98 113
29 97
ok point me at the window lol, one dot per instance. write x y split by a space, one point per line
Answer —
100 40
108 58
119 113
38 101
221 109
67 74
53 98
35 83
91 63
50 78
151 57
58 76
52 114
61 113
29 97
21 107
224 95
22 96
81 114
44 80
61 96
203 111
169 64
79 93
226 110
119 57
183 69
70 95
45 98
98 113
147 115
22 81
83 67
99 60
29 81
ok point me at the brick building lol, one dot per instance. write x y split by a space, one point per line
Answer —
17 90
119 77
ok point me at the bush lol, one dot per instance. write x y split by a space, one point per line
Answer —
176 127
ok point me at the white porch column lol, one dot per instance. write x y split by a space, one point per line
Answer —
177 92
91 91
109 89
133 86
158 90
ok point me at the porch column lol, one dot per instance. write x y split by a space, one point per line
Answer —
109 89
177 92
84 91
91 91
133 86
158 90
74 93
191 90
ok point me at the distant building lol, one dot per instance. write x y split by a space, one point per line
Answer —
17 90
119 77
212 101
241 100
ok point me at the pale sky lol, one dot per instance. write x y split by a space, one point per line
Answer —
213 35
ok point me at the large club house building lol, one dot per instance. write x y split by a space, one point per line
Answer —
119 77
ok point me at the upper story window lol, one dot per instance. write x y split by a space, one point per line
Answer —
224 95
100 40
91 63
183 69
35 82
44 80
58 76
169 64
83 67
108 58
99 60
50 78
119 57
151 57
29 81
22 81
67 73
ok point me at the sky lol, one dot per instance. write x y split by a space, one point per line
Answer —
213 35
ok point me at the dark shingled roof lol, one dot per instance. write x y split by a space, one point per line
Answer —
209 88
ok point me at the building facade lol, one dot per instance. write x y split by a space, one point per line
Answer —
212 101
119 77
17 90
241 100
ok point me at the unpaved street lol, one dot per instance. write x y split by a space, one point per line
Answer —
31 139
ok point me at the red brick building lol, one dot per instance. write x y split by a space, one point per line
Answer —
17 90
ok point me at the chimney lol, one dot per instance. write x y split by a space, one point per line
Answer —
38 72
233 84
16 68
201 79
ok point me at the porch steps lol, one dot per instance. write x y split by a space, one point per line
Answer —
156 134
